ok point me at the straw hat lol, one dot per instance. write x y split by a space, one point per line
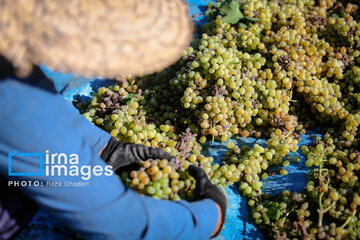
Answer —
104 38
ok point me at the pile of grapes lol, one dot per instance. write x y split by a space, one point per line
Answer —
259 68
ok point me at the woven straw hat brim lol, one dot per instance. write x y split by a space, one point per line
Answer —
107 38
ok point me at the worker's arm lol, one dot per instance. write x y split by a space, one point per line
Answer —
33 120
96 137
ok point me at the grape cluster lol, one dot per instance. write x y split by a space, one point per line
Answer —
159 179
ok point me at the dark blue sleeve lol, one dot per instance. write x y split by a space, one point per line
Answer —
33 121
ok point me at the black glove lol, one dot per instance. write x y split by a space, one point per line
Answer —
205 189
119 154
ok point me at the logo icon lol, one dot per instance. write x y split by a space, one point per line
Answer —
35 158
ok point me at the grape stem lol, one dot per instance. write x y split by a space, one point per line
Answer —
297 77
331 205
320 42
213 137
257 31
288 134
320 210
286 215
348 219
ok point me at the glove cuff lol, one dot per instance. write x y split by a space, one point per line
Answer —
221 201
110 148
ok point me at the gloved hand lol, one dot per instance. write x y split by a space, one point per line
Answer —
119 154
205 189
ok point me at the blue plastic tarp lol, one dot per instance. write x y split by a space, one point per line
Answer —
238 224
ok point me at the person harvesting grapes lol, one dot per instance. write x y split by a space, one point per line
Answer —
93 38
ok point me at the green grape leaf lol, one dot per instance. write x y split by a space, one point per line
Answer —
211 14
243 25
342 14
274 211
130 97
334 16
249 19
230 10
